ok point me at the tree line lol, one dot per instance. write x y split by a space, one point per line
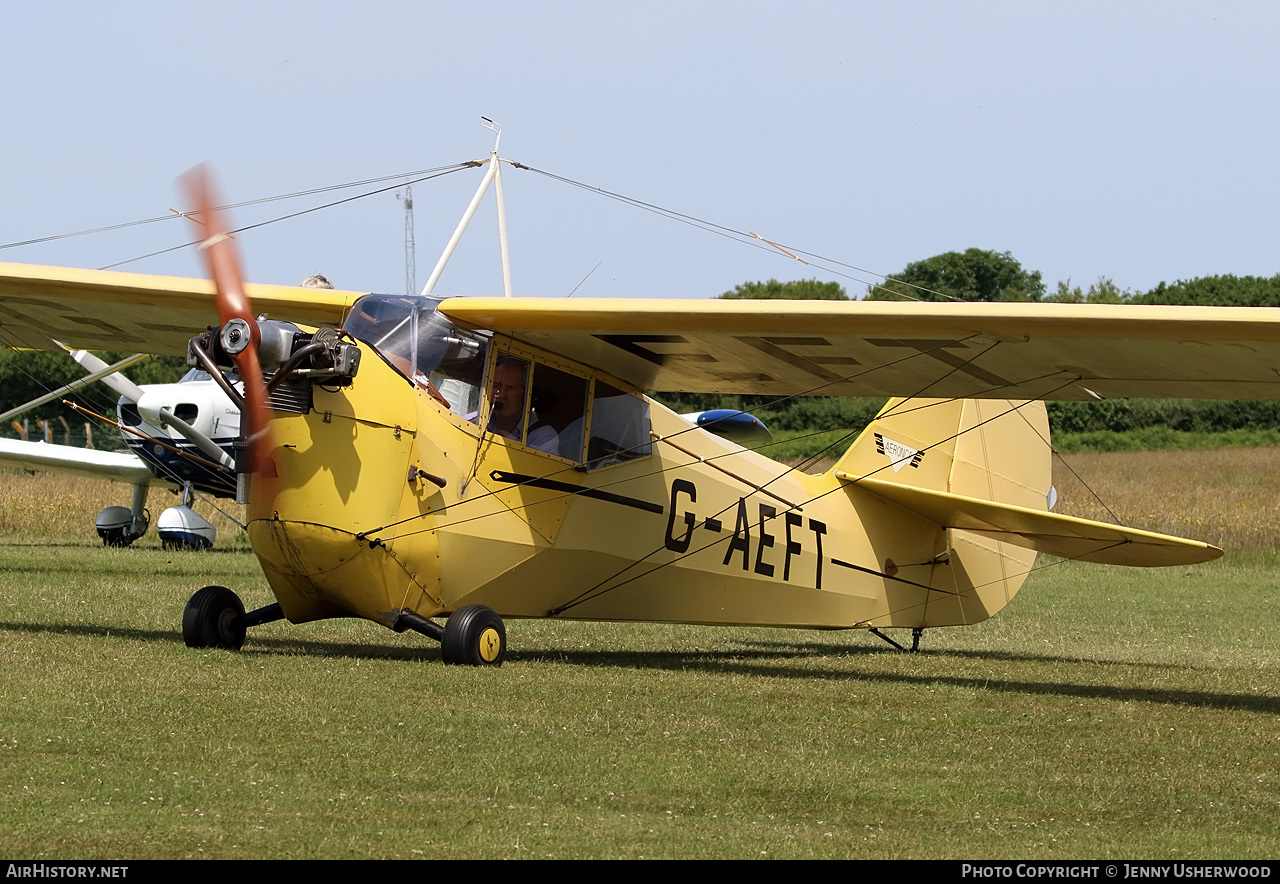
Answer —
28 374
983 275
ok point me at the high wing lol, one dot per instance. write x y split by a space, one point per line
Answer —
108 310
120 466
866 348
834 348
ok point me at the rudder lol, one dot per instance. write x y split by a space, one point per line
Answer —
989 449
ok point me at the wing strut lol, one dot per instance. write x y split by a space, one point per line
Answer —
493 175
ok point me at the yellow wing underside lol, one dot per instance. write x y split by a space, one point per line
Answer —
860 348
831 348
106 310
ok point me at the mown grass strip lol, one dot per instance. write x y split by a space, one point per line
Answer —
1106 713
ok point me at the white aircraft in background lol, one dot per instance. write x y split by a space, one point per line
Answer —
179 437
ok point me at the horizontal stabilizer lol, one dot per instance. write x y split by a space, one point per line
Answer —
1064 536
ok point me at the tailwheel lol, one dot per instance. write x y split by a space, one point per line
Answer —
212 619
474 636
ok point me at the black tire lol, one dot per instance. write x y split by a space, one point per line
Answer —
474 636
209 619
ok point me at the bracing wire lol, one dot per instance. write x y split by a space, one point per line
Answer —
747 238
429 173
286 217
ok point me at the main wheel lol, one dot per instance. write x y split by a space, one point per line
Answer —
209 620
474 636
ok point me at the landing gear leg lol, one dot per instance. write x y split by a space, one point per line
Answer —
880 634
474 636
915 638
118 526
418 623
268 614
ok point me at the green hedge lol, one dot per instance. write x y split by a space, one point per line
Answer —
1146 418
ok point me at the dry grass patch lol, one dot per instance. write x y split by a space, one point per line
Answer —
51 506
1229 497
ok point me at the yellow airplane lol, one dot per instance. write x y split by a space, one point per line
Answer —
411 458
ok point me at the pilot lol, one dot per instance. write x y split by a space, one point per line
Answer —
315 281
506 412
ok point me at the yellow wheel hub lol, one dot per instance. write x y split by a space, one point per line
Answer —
490 644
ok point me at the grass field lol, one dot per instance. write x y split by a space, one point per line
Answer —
1106 713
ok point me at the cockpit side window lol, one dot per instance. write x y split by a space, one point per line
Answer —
559 411
559 400
454 360
619 427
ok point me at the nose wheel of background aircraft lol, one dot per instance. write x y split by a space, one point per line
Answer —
474 636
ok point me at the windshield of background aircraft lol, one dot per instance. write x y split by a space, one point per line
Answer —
421 343
199 374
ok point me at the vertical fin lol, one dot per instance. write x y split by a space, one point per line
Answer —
990 449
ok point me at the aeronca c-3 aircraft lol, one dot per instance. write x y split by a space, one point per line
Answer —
409 458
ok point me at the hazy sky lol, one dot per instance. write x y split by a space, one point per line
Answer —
1133 140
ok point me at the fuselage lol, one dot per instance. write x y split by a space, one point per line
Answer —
391 497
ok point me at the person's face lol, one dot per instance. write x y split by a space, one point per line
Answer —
508 392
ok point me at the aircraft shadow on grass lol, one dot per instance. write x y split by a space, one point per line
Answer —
764 660
267 647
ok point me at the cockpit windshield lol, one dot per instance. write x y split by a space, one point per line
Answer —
423 345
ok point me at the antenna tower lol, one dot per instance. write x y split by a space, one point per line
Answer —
410 263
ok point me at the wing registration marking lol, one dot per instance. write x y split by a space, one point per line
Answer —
634 344
795 351
939 351
779 348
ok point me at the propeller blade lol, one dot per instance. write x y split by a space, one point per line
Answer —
223 262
